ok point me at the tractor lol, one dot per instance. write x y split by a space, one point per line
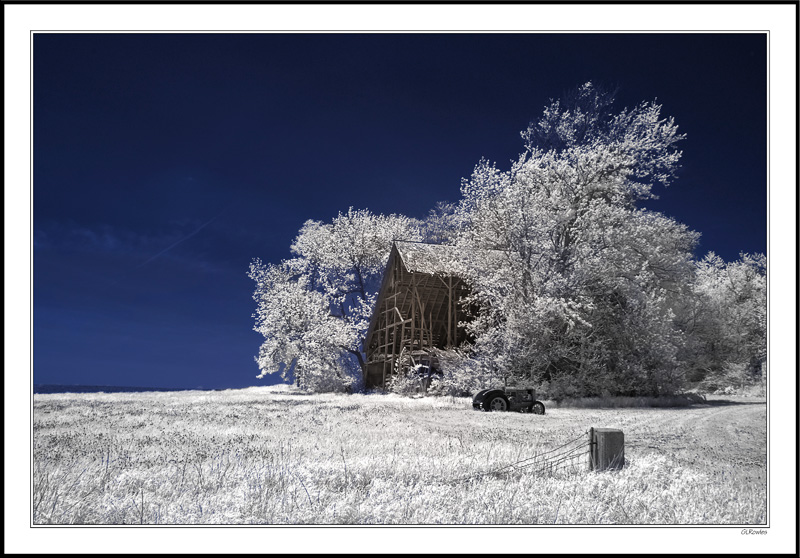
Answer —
508 399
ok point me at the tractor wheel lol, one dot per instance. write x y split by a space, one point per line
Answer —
538 408
495 402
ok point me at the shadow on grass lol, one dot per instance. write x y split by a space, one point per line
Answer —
727 403
668 402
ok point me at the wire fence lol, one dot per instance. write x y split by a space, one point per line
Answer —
565 456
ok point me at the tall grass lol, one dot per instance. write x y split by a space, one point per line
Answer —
275 456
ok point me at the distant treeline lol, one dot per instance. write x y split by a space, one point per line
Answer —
56 388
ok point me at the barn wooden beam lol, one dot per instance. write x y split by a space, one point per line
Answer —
449 312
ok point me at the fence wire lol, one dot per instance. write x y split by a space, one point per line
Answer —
555 459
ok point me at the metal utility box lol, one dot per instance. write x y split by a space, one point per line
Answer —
607 449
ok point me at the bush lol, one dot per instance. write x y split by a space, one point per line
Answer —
461 375
407 383
733 378
325 381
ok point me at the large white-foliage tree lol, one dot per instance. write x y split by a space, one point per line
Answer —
582 300
314 309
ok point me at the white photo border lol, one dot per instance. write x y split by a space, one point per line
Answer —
779 20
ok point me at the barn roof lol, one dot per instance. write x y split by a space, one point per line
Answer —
433 259
439 259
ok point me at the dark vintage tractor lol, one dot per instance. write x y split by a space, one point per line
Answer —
508 399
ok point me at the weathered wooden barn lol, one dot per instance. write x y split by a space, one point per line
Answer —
418 309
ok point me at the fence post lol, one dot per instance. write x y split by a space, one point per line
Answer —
606 449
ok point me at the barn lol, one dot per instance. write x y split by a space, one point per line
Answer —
417 310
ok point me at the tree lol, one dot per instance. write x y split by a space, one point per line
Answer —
727 320
441 226
314 309
582 300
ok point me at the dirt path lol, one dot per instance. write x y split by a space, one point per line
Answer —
721 436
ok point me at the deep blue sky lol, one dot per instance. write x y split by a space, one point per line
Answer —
164 163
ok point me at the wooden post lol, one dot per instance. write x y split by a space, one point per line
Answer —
394 343
430 325
606 449
403 338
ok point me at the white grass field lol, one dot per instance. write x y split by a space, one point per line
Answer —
272 455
